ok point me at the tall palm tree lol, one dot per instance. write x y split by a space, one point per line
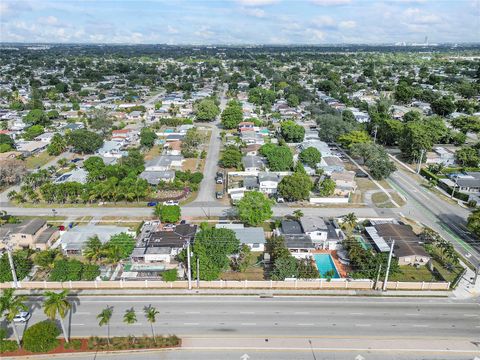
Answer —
57 303
130 318
93 249
12 305
150 314
105 316
351 220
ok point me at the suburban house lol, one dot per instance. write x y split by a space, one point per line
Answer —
155 177
407 248
253 237
165 162
29 234
163 246
464 182
29 148
76 175
345 182
268 182
441 155
252 163
331 164
73 241
112 149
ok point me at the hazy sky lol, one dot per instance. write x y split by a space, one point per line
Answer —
239 21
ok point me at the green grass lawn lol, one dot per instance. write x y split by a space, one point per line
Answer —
41 159
411 273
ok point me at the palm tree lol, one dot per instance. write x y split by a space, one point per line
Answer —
150 314
12 305
297 214
93 249
130 318
105 317
351 220
57 303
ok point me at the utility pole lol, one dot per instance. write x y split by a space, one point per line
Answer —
453 190
388 266
189 270
375 134
420 160
378 275
10 259
198 272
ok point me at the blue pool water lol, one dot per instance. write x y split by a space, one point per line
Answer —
324 264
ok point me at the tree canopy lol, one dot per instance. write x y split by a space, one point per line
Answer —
292 132
310 156
207 110
254 208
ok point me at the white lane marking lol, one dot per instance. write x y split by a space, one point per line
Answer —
420 325
78 324
192 312
412 314
247 312
363 325
357 313
305 324
81 313
190 324
301 313
471 315
248 324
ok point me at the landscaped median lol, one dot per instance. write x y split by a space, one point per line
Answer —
58 346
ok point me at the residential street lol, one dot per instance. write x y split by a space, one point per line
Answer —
203 318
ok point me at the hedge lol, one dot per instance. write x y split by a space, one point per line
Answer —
130 342
448 189
41 337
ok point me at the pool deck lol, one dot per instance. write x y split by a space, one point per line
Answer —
341 269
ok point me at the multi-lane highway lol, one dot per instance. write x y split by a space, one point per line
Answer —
295 323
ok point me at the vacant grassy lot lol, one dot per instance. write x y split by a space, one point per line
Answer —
41 159
411 273
254 271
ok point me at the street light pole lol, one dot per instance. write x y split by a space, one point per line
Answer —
10 259
454 187
189 270
388 266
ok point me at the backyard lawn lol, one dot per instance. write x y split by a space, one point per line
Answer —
32 162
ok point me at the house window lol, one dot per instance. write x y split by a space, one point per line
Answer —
24 236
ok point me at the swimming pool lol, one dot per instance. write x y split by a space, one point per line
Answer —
325 263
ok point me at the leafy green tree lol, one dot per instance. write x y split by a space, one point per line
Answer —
46 258
310 156
41 337
37 117
231 157
124 242
66 269
213 248
295 187
404 93
10 306
326 187
279 158
33 131
147 137
6 142
412 115
354 137
104 319
473 222
293 100
84 141
306 269
100 120
254 208
57 146
467 156
151 315
466 124
57 304
170 275
333 126
207 110
168 213
291 132
443 106
232 115
375 158
260 96
93 250
415 138
22 262
285 267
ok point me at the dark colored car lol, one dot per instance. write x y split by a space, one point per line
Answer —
152 203
361 174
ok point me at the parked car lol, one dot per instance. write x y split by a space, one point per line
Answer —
170 203
183 222
219 194
169 226
76 160
152 203
280 200
361 174
23 316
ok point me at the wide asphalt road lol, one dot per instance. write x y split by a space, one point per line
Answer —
246 321
446 218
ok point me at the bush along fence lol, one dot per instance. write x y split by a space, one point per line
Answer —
448 189
313 284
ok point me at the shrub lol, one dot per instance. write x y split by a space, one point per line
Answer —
6 345
41 337
170 275
75 344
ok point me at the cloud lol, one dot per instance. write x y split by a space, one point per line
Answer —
331 2
348 24
315 34
204 32
49 20
257 2
172 30
255 12
324 21
419 17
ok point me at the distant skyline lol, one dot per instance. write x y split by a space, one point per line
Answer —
240 21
